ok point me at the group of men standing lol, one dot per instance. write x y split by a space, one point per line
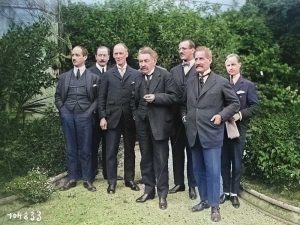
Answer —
188 105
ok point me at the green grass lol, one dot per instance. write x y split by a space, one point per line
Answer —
278 192
78 206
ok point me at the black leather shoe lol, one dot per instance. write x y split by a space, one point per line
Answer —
215 214
111 189
199 207
145 197
177 188
119 178
68 185
89 186
224 198
163 204
235 201
132 185
192 193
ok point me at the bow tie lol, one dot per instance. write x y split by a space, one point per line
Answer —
184 63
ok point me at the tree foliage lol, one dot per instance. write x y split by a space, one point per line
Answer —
27 54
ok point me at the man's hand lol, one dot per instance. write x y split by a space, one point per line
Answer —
149 98
103 124
217 119
237 116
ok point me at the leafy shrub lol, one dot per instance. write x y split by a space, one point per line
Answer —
32 188
273 141
38 143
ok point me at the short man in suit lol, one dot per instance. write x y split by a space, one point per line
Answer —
154 95
99 68
116 117
181 73
76 99
232 151
210 100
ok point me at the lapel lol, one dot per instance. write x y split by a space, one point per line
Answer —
211 80
89 82
116 72
238 85
156 77
67 80
195 81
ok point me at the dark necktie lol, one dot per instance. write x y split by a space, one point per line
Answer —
77 74
201 82
231 80
148 80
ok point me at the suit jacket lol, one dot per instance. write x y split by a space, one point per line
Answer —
94 69
159 112
216 97
92 85
246 91
180 80
114 95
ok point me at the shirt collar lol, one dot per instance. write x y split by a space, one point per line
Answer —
101 67
235 78
81 69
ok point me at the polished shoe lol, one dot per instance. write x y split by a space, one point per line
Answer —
120 178
192 193
145 197
224 198
199 207
177 188
68 185
235 201
215 214
132 185
163 204
111 189
89 186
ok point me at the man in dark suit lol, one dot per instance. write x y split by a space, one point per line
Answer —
116 117
99 68
181 73
210 100
232 151
76 99
154 94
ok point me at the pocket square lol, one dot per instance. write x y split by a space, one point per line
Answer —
94 85
240 92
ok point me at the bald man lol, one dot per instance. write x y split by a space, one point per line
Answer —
116 117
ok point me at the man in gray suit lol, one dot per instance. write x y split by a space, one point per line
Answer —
76 99
210 100
154 95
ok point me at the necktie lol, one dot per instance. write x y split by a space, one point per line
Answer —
102 70
201 82
77 74
122 71
148 79
231 79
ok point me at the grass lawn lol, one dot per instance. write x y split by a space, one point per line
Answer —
78 206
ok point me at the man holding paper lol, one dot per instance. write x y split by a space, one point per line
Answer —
232 151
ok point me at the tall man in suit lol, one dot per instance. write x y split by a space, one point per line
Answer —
99 68
116 117
232 151
154 94
76 99
210 100
181 73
